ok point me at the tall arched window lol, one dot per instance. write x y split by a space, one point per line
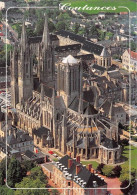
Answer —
110 155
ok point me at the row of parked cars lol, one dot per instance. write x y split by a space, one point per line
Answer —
55 155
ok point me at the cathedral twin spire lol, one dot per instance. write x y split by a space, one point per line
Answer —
24 39
46 36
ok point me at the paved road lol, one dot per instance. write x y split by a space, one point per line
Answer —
133 143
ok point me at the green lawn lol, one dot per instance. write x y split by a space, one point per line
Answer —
126 154
132 5
94 163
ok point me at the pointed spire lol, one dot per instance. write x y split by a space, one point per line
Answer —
24 36
111 110
42 92
46 37
96 102
63 121
80 106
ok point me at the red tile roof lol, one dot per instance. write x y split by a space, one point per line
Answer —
133 54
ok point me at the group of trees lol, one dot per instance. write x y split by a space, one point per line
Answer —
25 174
123 173
36 179
3 55
109 171
126 176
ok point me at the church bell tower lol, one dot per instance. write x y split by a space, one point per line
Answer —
69 79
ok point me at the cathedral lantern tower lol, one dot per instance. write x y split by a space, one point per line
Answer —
25 69
69 79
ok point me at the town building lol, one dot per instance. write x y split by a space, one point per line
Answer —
129 60
6 4
71 174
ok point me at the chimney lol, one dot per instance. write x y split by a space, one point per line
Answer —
78 159
69 154
93 171
78 167
70 161
89 166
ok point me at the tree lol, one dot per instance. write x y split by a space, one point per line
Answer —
51 26
6 191
125 184
27 166
2 172
55 192
39 27
28 182
0 16
133 46
14 173
18 29
94 30
117 169
30 32
108 171
37 172
76 28
61 25
36 179
100 167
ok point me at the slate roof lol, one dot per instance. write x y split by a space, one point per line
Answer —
64 48
105 53
3 147
75 104
90 110
59 103
84 173
97 67
30 154
81 143
113 67
48 91
20 137
108 143
41 131
115 74
85 57
88 96
86 45
38 39
106 107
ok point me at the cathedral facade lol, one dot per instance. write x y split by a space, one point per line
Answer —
49 103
